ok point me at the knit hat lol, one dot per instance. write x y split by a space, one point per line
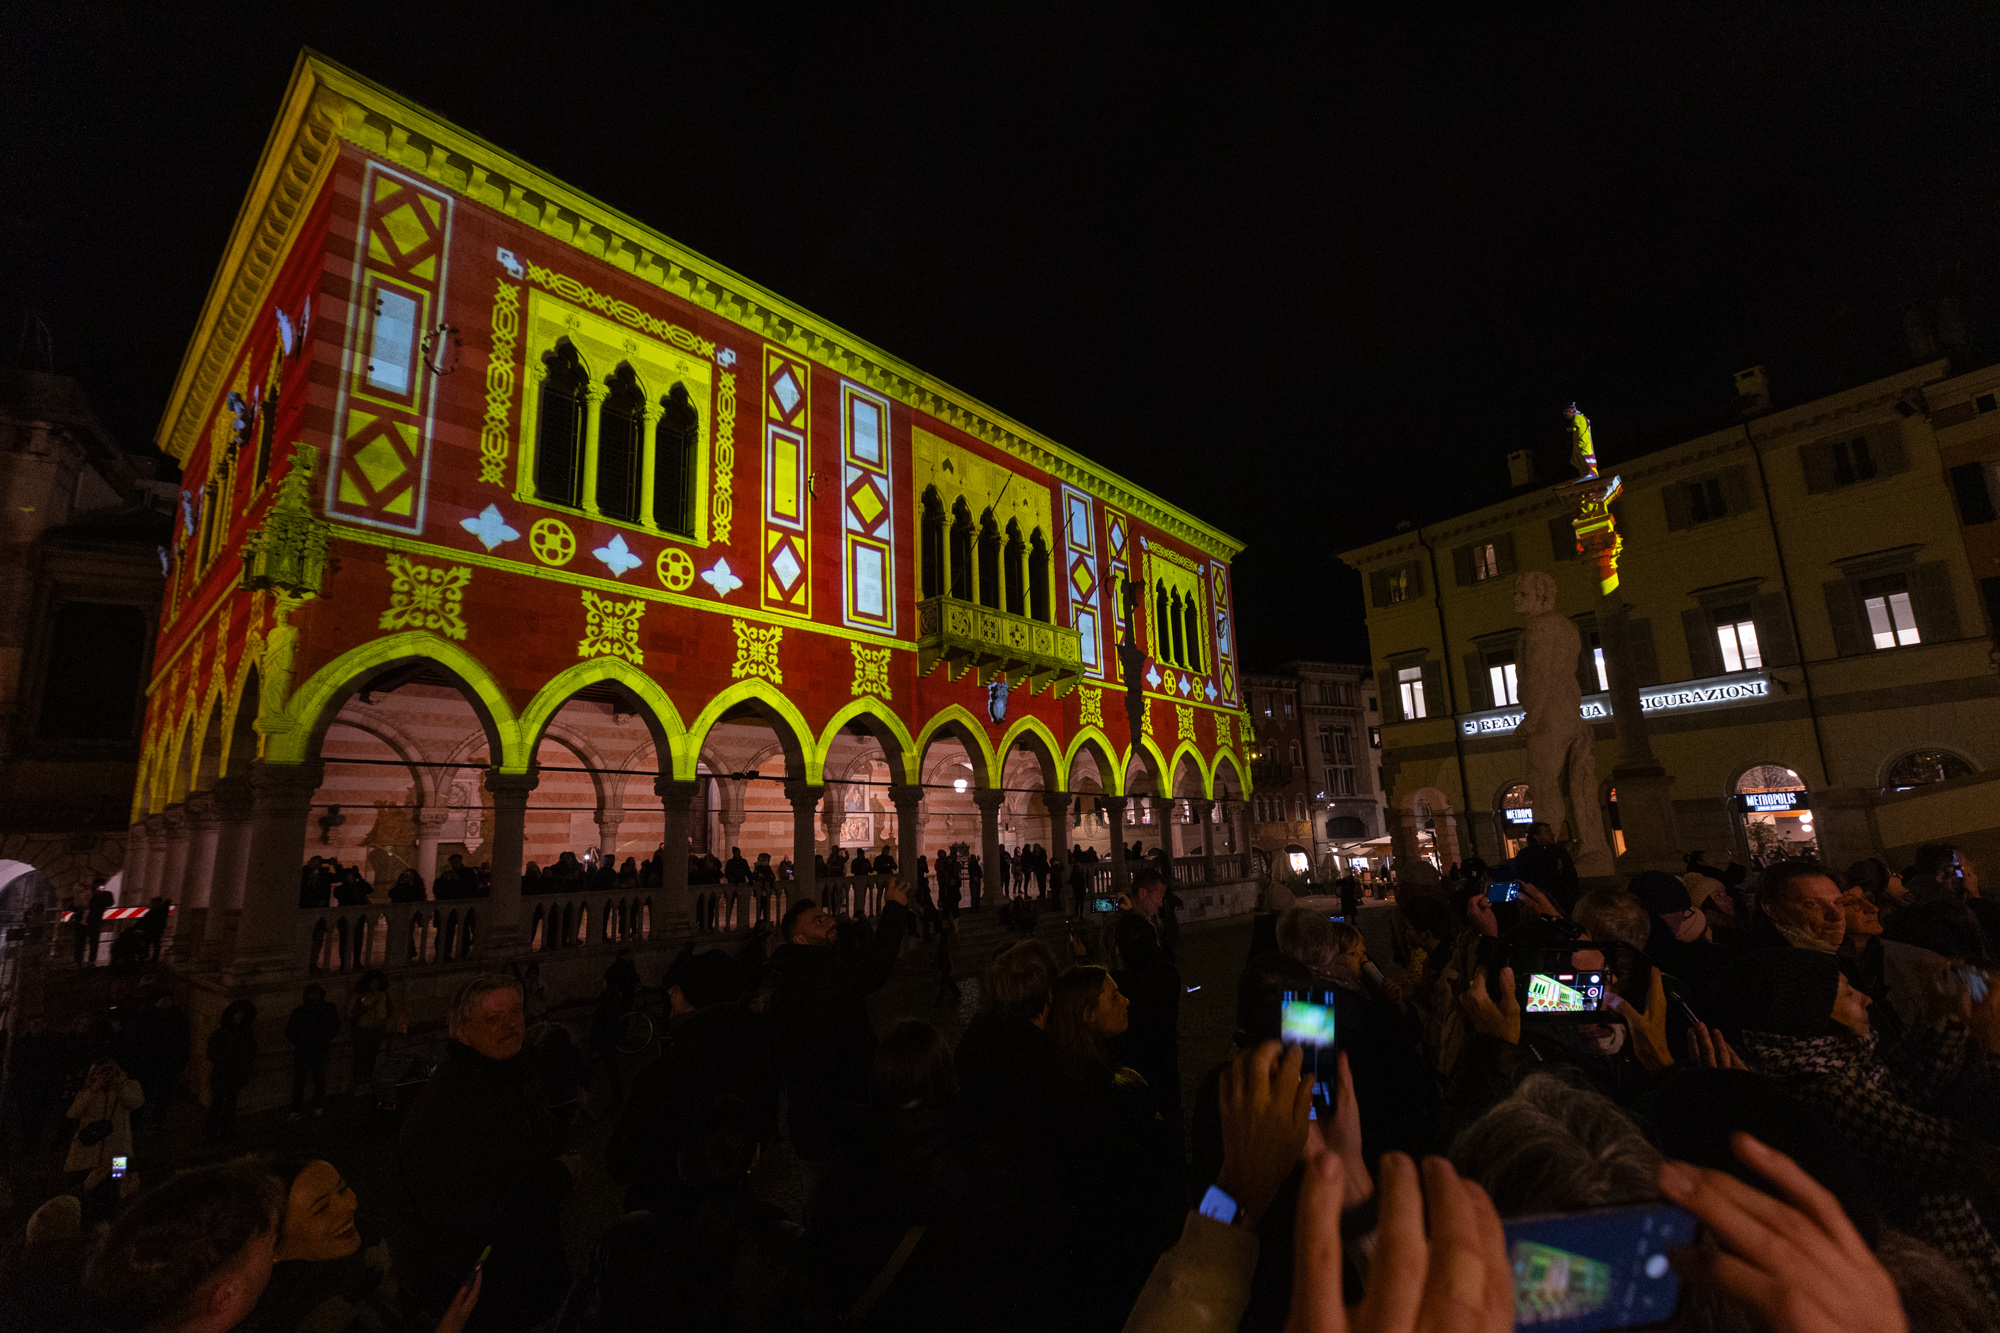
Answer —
1789 992
1700 887
1662 893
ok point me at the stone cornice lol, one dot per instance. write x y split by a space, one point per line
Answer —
326 103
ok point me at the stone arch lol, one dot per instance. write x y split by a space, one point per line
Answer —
241 743
181 775
957 722
1110 773
1032 737
586 754
1226 780
1145 756
655 708
899 748
770 705
400 744
314 705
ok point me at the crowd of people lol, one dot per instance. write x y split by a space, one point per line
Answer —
1802 1058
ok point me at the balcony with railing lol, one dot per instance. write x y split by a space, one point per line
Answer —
970 636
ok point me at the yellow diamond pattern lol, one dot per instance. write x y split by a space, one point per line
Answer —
1079 578
379 462
406 228
868 504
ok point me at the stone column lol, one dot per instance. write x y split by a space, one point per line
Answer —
156 862
138 846
197 887
609 819
1121 877
832 814
430 827
676 801
1200 810
499 925
804 797
234 806
731 816
909 803
1645 789
989 803
173 869
280 802
1057 803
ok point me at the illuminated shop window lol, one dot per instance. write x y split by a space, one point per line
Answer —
1737 633
1410 684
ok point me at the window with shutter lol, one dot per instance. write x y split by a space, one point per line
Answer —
1892 619
1479 693
1843 614
1704 652
1503 547
1851 460
1774 630
1975 499
1378 587
1817 461
1675 495
1932 605
1736 635
1438 698
1461 565
1885 446
1989 589
1706 500
1562 539
1735 490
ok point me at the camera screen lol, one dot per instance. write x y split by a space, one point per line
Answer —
1305 1023
1103 904
1607 1268
1567 992
1503 891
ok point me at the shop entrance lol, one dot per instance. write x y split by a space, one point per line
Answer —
1774 814
1514 816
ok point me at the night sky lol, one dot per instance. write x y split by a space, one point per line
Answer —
1303 278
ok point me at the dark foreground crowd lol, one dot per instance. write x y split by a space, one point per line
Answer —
1805 1062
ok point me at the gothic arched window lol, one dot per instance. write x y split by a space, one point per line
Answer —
1191 612
989 561
620 431
1163 634
1038 577
559 426
961 551
930 552
1178 623
674 441
1011 558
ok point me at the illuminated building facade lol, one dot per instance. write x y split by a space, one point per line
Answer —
1316 773
1810 594
512 528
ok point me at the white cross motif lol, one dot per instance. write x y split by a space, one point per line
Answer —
720 579
617 556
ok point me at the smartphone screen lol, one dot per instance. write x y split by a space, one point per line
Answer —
1503 891
1567 993
1103 904
118 1167
1606 1268
1306 1020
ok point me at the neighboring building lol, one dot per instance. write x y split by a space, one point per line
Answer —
1317 788
520 531
80 576
1807 628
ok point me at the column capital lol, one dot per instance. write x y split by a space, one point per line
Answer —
802 793
200 812
234 798
1056 800
906 799
512 788
674 789
987 798
1115 804
156 824
173 821
285 787
430 819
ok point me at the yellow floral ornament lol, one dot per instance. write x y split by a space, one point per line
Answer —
757 652
426 596
611 628
871 670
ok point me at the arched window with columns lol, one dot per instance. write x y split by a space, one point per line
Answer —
674 441
620 432
559 426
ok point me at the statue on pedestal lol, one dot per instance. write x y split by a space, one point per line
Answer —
1558 738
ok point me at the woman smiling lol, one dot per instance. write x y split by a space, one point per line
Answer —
324 1279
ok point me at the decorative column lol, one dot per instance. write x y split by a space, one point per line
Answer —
499 927
989 803
909 803
173 869
1204 816
235 803
430 826
155 865
676 800
610 816
1121 876
281 798
594 394
732 817
1057 804
138 846
833 814
197 888
804 797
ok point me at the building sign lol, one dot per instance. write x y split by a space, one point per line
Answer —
1693 696
1519 816
1773 802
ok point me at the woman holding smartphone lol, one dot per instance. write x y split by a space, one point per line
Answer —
103 1115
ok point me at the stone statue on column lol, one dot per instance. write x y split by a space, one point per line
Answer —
1562 760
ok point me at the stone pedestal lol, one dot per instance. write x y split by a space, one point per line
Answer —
1646 818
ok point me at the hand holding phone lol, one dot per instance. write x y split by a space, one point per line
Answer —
1601 1268
1503 891
118 1167
1306 1019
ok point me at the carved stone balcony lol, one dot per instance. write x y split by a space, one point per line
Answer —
966 636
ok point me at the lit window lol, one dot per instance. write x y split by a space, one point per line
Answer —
1603 677
1288 705
1410 682
1402 587
1505 679
1890 620
1485 562
1737 633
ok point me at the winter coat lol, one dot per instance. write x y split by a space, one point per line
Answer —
356 1294
1150 980
115 1105
719 1050
312 1028
478 1156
